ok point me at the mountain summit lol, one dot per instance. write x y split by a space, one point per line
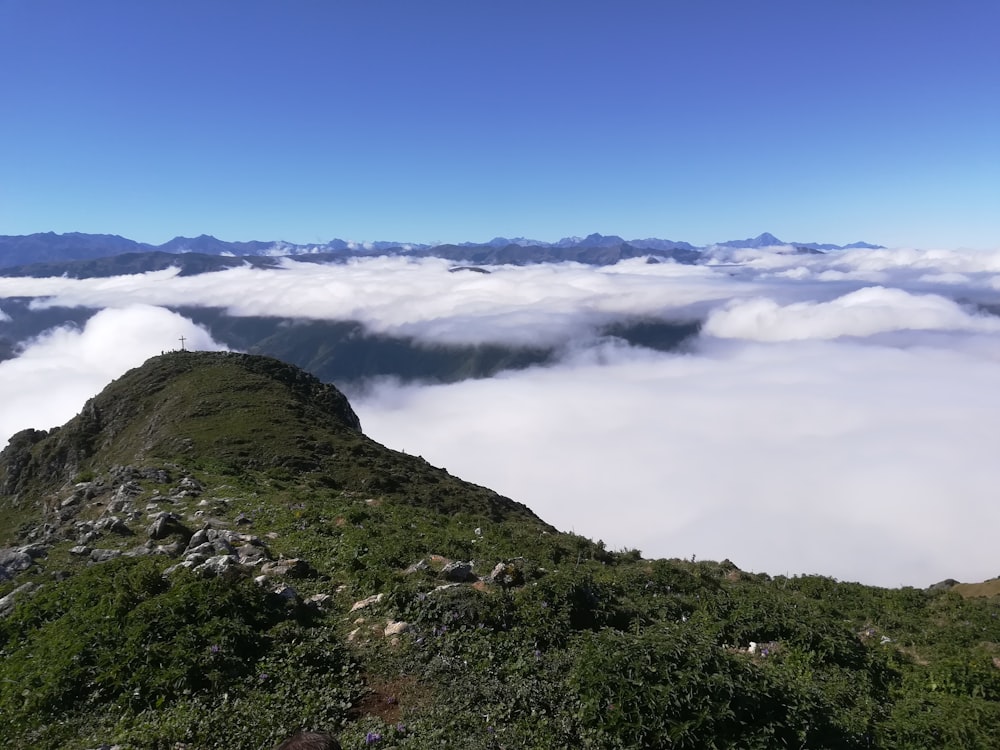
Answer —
761 240
233 413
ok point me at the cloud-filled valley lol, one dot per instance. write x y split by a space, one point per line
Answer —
833 415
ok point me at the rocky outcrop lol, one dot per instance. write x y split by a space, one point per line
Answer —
458 572
19 459
17 560
7 602
507 574
166 524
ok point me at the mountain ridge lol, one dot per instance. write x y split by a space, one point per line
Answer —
49 247
247 412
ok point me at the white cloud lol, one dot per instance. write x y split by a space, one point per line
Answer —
865 312
551 304
862 462
530 305
57 372
862 263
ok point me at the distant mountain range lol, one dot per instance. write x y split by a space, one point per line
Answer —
594 249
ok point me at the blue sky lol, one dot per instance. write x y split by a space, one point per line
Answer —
450 121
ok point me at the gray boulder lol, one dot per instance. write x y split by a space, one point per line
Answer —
103 555
458 572
113 524
290 568
7 602
218 565
12 562
165 524
507 574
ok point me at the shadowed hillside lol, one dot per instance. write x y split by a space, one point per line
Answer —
212 555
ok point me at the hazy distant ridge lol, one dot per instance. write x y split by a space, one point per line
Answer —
49 247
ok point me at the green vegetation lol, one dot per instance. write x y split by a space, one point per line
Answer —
565 645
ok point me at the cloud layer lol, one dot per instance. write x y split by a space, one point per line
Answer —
57 372
861 462
834 416
866 312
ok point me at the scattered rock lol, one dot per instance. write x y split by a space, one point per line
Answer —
188 487
103 555
120 474
206 550
291 567
113 524
319 600
367 602
251 554
193 560
34 551
12 562
160 476
128 490
165 524
85 490
458 571
287 593
87 537
417 567
170 550
223 546
200 537
507 574
396 627
7 602
218 565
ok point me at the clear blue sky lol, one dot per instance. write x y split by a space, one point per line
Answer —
305 120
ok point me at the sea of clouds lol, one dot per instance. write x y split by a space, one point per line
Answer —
835 415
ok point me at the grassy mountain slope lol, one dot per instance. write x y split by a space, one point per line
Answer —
212 555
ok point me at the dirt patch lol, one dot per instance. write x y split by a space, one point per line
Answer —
986 588
389 699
